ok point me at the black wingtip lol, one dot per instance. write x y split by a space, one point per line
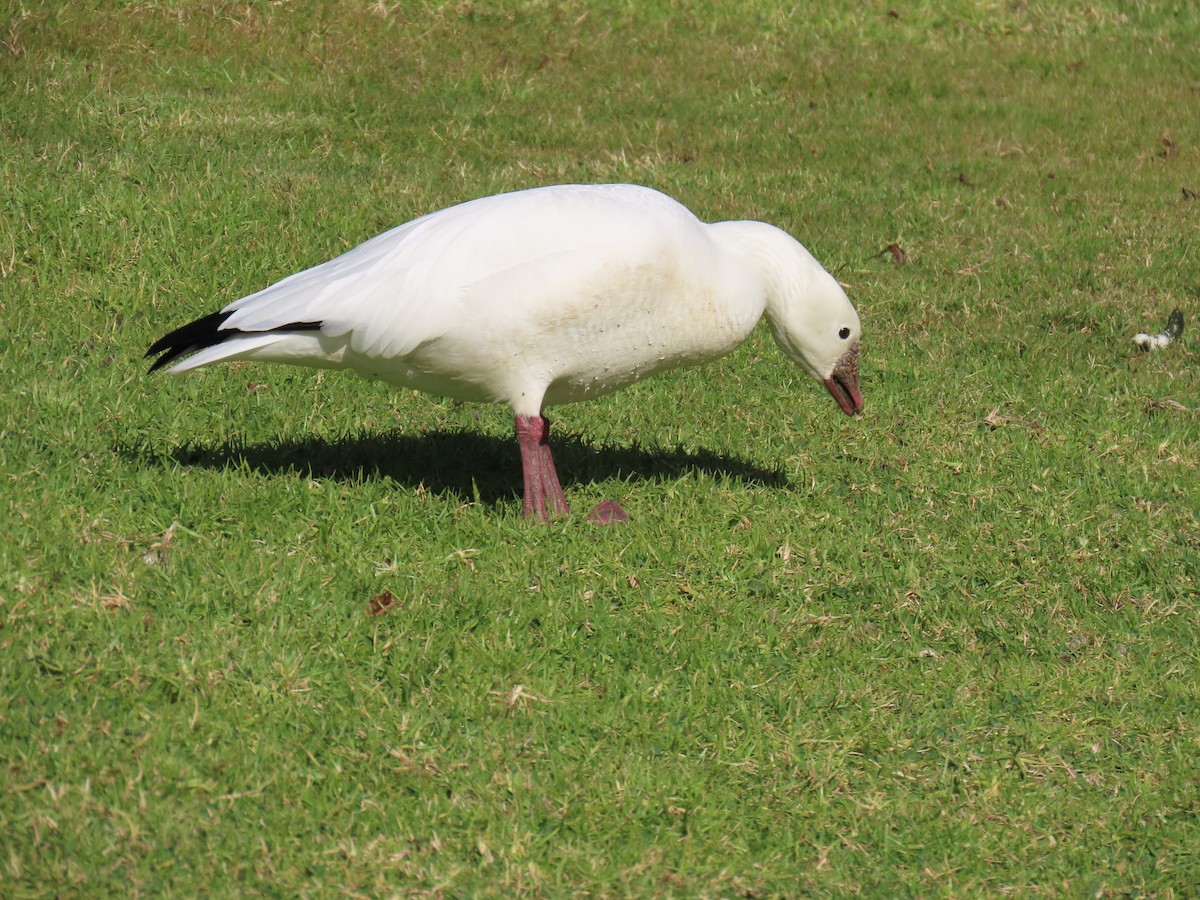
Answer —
197 335
207 332
1175 324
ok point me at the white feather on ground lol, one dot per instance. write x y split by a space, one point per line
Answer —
1164 338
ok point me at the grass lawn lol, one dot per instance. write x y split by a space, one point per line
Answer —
267 631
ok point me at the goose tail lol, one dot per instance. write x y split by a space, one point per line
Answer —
206 334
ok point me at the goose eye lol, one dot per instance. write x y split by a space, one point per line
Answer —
844 332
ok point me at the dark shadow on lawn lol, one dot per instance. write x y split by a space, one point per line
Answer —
457 462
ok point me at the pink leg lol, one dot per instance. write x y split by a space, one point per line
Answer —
543 494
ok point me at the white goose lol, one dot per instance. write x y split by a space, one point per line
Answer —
539 297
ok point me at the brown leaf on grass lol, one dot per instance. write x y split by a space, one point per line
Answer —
95 597
116 600
381 603
996 419
157 552
518 697
610 512
1169 150
409 764
899 257
1153 404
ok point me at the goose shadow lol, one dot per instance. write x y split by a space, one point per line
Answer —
463 464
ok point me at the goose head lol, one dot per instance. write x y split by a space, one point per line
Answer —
815 324
811 318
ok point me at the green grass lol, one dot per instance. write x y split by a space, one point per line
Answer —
951 648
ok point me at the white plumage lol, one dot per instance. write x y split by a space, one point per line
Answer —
1164 338
540 297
